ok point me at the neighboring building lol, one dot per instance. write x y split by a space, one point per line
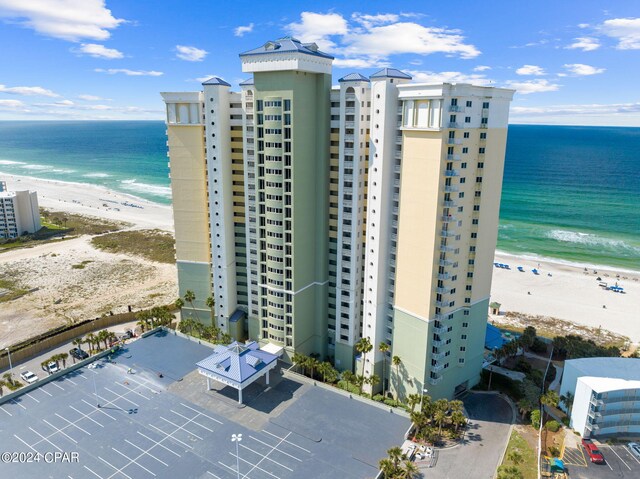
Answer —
606 394
19 213
325 214
3 186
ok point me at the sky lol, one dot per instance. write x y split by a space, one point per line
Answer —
572 62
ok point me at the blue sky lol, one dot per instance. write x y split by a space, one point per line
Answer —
572 62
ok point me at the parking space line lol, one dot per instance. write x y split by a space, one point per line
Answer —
60 431
146 452
255 466
201 414
131 390
98 409
232 469
5 411
56 385
97 475
16 402
45 439
71 381
209 472
133 461
181 427
26 444
634 457
619 457
280 451
45 391
27 394
83 416
158 444
121 396
288 442
118 471
266 457
170 435
142 384
72 423
192 420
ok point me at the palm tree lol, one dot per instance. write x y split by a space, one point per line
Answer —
395 455
387 468
413 400
44 367
384 349
91 340
458 419
299 360
63 358
372 381
567 400
363 346
349 378
190 297
439 418
396 361
210 302
102 336
77 343
550 398
179 303
409 470
312 363
456 405
186 325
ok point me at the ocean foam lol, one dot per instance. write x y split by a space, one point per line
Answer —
10 162
97 175
62 170
36 167
133 185
589 239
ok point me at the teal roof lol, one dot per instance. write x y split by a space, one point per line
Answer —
353 77
248 81
390 73
216 81
287 45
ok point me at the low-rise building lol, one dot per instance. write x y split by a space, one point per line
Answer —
606 396
19 213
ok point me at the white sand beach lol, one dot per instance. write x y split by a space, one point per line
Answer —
90 200
569 293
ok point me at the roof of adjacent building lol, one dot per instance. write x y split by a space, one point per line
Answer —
216 81
287 45
248 81
493 338
237 362
601 385
353 77
390 73
495 305
613 368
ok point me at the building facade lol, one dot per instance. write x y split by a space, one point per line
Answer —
19 213
316 215
606 396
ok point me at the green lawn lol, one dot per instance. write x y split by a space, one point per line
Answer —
521 455
14 290
154 245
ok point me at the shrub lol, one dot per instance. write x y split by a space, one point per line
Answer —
565 421
378 397
535 418
523 366
553 426
554 451
538 346
391 402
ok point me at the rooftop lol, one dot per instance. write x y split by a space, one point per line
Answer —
612 368
216 81
353 77
390 73
601 384
237 362
287 45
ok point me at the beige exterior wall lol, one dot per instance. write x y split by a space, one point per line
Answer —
421 159
189 192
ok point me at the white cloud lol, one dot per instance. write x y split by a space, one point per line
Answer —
90 98
481 68
583 25
242 29
530 70
190 54
368 21
586 44
28 91
619 114
65 103
448 77
359 63
11 104
532 86
71 20
625 30
204 78
126 71
580 69
318 27
99 51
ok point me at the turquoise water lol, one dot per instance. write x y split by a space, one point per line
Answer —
569 193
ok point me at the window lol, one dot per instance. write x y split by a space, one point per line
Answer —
481 150
463 165
463 180
479 179
465 150
287 105
476 207
465 325
484 121
469 103
474 235
463 348
466 134
467 119
480 164
485 104
483 136
461 360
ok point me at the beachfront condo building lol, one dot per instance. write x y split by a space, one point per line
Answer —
316 215
19 213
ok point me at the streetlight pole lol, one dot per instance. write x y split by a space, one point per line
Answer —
424 391
10 365
95 389
237 438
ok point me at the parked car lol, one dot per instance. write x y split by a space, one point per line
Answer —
29 377
128 334
634 447
593 452
78 353
52 367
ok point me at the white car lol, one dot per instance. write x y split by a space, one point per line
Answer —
29 377
634 447
53 367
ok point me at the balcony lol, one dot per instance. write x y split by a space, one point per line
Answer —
348 151
450 189
449 204
450 173
435 381
350 110
455 108
348 190
453 157
441 330
437 367
349 124
453 125
442 317
348 137
444 277
446 249
447 234
445 262
437 356
443 290
448 219
442 304
454 141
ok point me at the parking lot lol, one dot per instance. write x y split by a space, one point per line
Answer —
619 463
141 430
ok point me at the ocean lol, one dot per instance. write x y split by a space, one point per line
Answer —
570 193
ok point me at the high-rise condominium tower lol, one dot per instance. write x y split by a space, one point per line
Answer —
315 215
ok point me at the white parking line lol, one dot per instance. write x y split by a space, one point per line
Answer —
45 391
27 394
122 397
619 457
281 452
97 475
133 461
46 439
146 452
232 469
158 444
26 444
83 416
288 442
118 471
56 385
72 423
5 411
139 383
171 436
265 457
181 427
255 466
209 472
16 402
60 431
98 409
192 420
131 390
626 449
202 414
71 381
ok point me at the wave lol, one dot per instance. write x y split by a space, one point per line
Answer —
62 170
97 175
36 167
589 239
133 185
10 162
575 264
